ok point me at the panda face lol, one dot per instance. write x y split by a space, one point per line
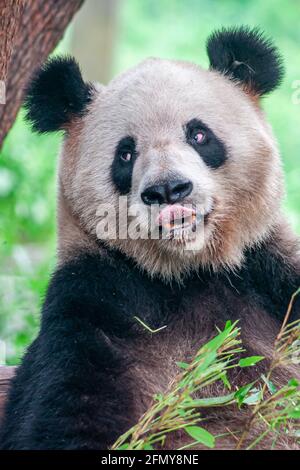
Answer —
171 134
184 149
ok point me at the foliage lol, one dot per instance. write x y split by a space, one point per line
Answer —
272 411
27 207
177 409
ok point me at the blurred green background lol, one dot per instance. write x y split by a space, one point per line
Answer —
132 30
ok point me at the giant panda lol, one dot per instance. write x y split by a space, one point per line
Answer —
166 134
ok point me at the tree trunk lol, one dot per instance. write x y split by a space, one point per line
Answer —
94 30
10 11
29 31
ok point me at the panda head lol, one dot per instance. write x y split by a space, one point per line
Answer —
185 148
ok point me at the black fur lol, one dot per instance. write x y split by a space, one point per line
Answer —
247 55
269 280
71 391
212 150
121 170
56 94
77 398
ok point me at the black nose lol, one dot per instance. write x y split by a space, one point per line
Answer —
168 192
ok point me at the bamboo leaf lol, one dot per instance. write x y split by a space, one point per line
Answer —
250 361
123 447
201 435
148 447
294 414
241 394
271 387
182 365
213 401
253 399
225 381
293 383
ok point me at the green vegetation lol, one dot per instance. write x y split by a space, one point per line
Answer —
165 28
268 412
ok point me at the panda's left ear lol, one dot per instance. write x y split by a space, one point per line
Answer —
56 94
246 55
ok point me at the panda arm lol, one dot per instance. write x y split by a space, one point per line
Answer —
75 396
76 393
107 292
274 271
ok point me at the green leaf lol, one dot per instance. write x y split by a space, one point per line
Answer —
123 447
250 361
215 343
201 435
182 412
225 381
205 362
293 383
253 399
148 447
242 392
182 365
294 414
213 401
271 387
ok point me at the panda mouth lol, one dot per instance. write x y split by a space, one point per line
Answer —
182 222
178 221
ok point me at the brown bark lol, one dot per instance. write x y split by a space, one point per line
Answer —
6 374
30 29
10 11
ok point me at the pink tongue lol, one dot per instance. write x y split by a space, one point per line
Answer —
171 213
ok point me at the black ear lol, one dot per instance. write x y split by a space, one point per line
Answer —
246 55
56 94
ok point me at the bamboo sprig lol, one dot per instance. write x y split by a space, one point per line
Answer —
278 409
177 409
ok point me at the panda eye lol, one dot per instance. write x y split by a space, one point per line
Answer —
126 150
126 156
196 133
199 136
206 143
123 162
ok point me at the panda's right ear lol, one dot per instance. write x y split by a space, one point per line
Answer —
56 94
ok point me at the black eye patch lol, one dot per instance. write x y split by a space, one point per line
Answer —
210 148
122 167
